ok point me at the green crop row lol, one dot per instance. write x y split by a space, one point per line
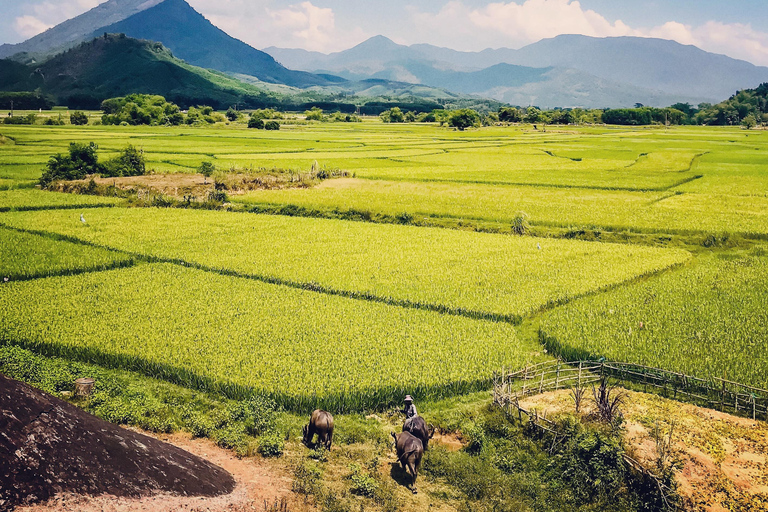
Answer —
240 337
34 199
476 274
25 256
662 212
710 319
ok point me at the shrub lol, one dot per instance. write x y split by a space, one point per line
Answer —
363 484
271 445
78 118
130 162
81 161
258 414
272 125
28 119
520 225
232 114
314 114
50 121
256 122
206 169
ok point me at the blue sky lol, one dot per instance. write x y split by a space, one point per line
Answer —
738 28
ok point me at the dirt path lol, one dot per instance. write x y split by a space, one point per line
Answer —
261 483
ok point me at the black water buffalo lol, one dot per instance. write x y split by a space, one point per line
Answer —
419 428
320 423
409 451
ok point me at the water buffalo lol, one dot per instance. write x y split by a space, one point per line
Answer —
320 423
409 451
419 428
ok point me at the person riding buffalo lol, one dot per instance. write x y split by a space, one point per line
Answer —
409 410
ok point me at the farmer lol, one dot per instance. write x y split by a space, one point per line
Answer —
409 410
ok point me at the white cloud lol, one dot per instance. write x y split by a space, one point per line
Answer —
29 26
301 25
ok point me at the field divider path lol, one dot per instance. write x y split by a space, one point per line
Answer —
306 286
514 319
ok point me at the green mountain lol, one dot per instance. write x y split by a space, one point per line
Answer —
174 23
116 65
196 40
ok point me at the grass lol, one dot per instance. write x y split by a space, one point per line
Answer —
475 274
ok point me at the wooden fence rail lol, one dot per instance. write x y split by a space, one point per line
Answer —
715 393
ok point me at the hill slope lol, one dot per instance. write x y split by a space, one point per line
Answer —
117 65
196 40
74 31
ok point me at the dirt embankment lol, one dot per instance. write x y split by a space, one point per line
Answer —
50 447
722 460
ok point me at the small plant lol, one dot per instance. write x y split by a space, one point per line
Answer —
608 401
307 478
206 169
271 445
520 225
363 484
577 395
272 125
320 454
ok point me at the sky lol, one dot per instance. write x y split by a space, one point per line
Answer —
737 28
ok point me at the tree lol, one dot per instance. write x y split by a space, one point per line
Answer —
749 122
256 122
271 125
232 114
510 115
81 161
464 118
206 169
130 162
314 114
78 118
393 115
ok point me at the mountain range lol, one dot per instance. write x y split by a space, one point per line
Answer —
597 72
565 71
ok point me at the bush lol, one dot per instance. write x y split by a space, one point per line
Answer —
50 121
271 445
232 114
258 414
272 125
78 118
130 162
28 119
81 161
256 122
363 484
314 114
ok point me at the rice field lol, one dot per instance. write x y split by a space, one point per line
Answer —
240 337
28 256
476 274
319 311
709 319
